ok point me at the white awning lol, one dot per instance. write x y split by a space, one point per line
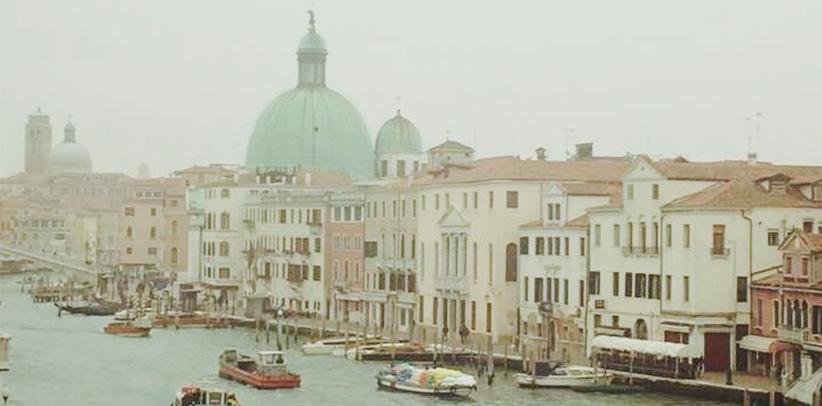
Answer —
659 348
763 344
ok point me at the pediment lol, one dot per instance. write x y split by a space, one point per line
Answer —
641 169
453 218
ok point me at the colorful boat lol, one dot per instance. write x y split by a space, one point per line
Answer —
195 395
269 371
431 381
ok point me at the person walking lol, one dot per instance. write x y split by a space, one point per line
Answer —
444 334
463 333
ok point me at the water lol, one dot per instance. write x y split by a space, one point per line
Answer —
70 361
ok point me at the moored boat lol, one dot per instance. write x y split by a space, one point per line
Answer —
136 328
357 352
92 309
195 395
326 346
431 381
269 371
550 374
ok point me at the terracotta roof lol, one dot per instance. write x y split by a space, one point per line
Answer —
806 179
581 221
531 224
812 241
451 145
613 189
324 179
741 193
511 168
726 170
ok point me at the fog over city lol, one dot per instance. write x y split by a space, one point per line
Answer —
178 83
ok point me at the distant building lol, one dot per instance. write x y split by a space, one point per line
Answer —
38 143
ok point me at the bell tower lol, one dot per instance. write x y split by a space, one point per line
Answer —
38 142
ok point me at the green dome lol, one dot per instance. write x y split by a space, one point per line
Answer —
311 126
398 135
314 127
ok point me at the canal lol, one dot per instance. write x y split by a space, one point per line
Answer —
70 361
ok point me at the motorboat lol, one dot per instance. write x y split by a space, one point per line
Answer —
379 348
131 328
196 395
552 374
440 382
92 309
327 346
268 371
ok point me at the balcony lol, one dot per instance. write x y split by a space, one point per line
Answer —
792 334
454 283
650 251
719 251
341 285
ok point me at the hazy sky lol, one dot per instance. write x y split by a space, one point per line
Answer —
174 83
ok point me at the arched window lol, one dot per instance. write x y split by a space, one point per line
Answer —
402 246
129 232
789 313
511 263
346 270
357 270
224 221
224 249
174 255
174 228
413 246
153 232
804 314
641 329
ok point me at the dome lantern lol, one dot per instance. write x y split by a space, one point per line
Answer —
311 55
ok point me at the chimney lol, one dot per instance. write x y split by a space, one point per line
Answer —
584 151
541 156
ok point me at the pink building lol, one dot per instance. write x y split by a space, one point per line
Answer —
345 255
787 311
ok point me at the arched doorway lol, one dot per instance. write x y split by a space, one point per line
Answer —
641 330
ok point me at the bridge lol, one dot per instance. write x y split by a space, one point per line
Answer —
66 266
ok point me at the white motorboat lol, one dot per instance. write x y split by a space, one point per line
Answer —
327 346
431 381
373 348
555 375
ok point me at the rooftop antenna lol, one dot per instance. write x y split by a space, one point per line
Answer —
753 139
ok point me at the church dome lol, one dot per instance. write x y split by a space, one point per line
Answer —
69 156
398 135
311 126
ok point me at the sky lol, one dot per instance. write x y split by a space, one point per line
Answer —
177 83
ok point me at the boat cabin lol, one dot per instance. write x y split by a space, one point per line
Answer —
272 363
195 396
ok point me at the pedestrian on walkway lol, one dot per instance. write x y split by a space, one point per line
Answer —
463 333
444 333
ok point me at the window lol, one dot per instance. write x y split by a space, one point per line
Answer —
630 192
654 287
224 221
491 199
667 235
523 245
511 263
667 287
421 310
686 236
556 245
401 168
152 251
490 263
538 290
788 263
130 211
174 227
473 315
686 288
629 284
616 235
593 283
128 250
581 293
434 311
640 288
615 284
153 232
525 288
556 290
804 266
317 273
224 193
488 317
539 248
437 201
741 289
551 246
807 226
129 232
474 258
317 244
773 238
582 246
153 211
597 234
512 199
719 240
567 246
565 291
225 273
597 320
776 314
174 256
384 168
224 249
655 191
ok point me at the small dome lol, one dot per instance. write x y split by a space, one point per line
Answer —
69 157
312 42
398 135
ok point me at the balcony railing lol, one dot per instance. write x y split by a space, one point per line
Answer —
627 251
719 251
792 334
456 283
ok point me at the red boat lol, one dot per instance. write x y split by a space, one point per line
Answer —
127 328
270 371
